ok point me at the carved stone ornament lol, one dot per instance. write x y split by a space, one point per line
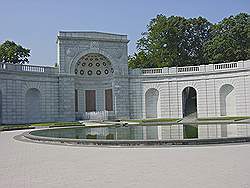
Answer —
94 45
118 53
71 51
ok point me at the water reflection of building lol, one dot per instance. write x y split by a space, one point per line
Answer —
223 130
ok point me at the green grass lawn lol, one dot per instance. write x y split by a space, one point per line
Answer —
33 125
154 120
57 124
231 118
15 127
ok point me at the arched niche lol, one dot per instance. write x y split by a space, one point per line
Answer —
33 105
151 103
227 100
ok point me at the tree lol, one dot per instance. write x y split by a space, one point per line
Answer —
230 40
172 41
10 52
177 41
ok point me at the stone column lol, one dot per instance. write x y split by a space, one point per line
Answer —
121 97
66 98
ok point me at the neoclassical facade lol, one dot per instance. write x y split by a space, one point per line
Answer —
92 78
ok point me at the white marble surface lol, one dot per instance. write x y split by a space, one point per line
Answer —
31 165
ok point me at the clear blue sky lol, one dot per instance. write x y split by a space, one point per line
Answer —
35 23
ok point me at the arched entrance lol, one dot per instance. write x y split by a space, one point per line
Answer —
189 102
151 103
227 100
94 74
33 105
0 107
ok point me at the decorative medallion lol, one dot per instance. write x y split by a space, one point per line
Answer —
106 71
98 72
94 45
90 72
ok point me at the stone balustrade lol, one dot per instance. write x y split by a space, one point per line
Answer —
193 69
99 115
28 68
152 71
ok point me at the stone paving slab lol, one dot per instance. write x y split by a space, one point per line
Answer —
31 165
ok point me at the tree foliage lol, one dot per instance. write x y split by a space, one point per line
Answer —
177 41
10 52
230 40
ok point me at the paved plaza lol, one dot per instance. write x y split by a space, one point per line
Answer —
32 165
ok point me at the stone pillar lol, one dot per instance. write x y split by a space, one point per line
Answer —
66 98
121 97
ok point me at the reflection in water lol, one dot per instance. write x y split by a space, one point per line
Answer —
150 132
223 130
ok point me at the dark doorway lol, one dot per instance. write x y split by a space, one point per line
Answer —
108 100
189 102
90 99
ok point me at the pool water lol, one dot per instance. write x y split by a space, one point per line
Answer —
162 132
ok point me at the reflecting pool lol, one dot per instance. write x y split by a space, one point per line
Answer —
163 132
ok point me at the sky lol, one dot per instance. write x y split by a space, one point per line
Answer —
35 23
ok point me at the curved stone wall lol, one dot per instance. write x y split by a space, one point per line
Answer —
212 101
97 64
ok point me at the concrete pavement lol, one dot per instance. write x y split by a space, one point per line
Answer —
32 165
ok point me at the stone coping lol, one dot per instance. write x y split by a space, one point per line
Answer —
136 143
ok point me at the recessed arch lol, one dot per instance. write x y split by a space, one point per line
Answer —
189 102
152 103
75 60
93 65
33 105
227 100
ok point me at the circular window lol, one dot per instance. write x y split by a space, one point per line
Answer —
83 64
90 64
91 59
96 59
106 71
76 71
104 64
82 72
90 72
97 64
98 72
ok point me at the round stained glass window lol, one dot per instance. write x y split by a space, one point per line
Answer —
82 72
104 64
97 64
83 64
90 64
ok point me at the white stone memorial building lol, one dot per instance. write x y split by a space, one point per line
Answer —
93 80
